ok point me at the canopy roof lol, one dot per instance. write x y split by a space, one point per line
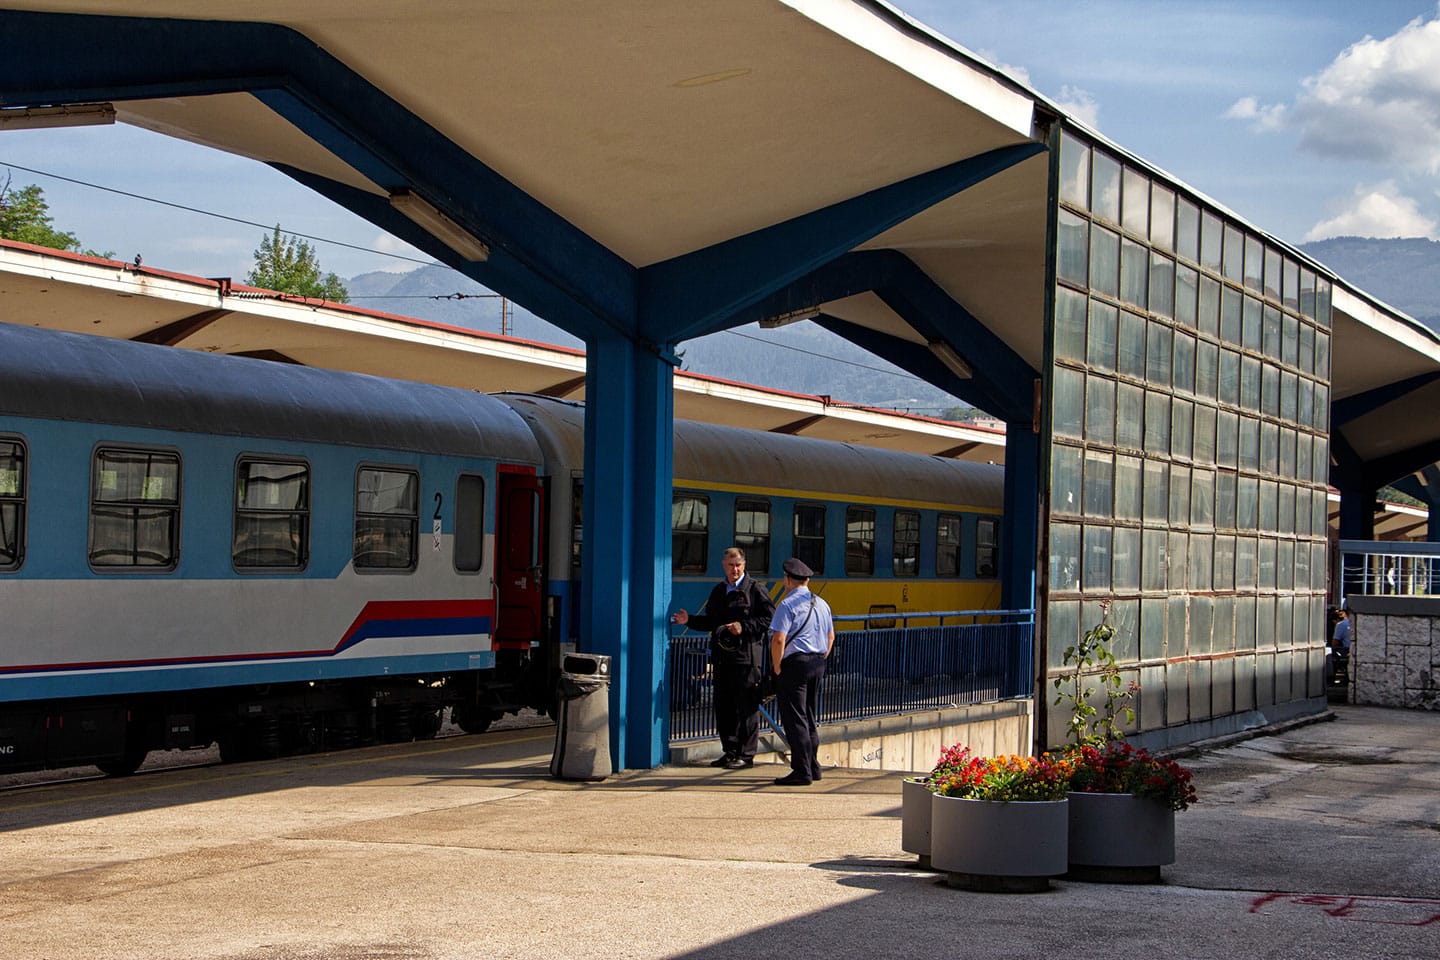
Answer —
614 155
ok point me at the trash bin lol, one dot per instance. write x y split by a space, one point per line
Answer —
582 729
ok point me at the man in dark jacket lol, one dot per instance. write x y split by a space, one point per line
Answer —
737 615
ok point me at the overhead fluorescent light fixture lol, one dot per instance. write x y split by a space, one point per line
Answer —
44 118
953 362
794 316
439 226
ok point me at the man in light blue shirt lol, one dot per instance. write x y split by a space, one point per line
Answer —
1341 636
801 635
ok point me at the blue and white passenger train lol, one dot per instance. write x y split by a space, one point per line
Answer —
198 549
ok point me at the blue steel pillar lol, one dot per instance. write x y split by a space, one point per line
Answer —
1357 511
1019 549
1357 522
629 447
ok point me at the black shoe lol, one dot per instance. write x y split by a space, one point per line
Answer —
815 775
793 780
722 761
739 763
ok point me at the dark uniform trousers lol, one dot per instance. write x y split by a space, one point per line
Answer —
737 705
798 694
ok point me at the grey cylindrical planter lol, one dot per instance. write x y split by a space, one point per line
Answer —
915 818
999 846
1119 838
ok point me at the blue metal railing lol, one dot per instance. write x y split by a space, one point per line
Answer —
878 671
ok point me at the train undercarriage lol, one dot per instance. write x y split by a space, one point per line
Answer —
115 734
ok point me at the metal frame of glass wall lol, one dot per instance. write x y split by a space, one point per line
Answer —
1188 397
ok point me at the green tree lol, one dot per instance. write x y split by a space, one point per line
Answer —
288 264
25 216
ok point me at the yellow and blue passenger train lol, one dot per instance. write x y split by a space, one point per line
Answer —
198 549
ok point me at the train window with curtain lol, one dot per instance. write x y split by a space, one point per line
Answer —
752 534
12 503
859 541
135 509
689 533
906 553
272 514
810 536
987 547
387 518
947 545
469 535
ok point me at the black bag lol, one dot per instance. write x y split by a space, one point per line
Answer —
767 681
724 641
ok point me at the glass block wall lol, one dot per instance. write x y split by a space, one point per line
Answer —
1189 405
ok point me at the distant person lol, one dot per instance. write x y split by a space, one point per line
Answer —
739 610
1339 652
801 637
1340 639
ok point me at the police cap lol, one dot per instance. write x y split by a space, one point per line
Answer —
795 567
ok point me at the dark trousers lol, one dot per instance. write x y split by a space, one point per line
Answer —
737 708
798 694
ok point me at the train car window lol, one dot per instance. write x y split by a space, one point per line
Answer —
859 541
272 515
387 519
987 547
135 509
689 533
469 538
752 534
947 545
12 504
810 535
906 552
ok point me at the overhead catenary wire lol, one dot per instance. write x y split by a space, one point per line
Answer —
211 213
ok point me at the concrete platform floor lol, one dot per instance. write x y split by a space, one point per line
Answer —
1320 841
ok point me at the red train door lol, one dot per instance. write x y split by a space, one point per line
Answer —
519 561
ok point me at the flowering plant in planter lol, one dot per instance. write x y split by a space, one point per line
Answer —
1101 762
1118 767
1003 778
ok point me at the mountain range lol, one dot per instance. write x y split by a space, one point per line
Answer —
1404 273
808 359
801 357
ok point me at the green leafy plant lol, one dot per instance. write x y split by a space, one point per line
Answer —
1092 663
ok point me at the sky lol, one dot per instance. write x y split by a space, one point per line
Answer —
1307 118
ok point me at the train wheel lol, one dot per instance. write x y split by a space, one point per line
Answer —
472 719
126 764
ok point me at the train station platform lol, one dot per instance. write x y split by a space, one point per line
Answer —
1316 841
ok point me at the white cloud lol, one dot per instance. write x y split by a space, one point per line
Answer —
1074 101
1263 119
1080 105
1379 211
1379 100
385 243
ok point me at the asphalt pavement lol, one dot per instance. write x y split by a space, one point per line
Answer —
1321 840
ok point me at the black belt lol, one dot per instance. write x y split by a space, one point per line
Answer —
792 656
